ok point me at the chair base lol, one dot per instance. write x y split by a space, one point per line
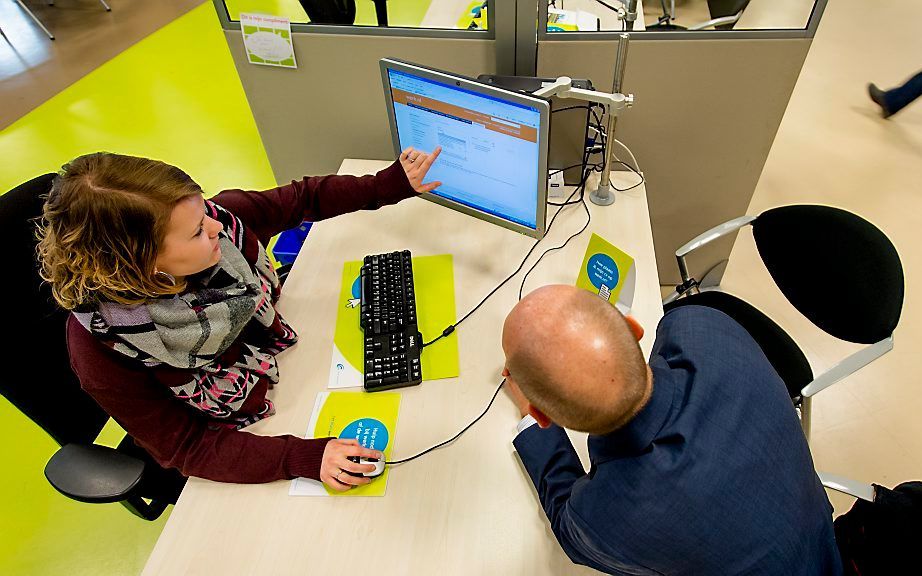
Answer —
148 511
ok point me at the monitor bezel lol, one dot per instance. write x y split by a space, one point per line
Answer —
488 90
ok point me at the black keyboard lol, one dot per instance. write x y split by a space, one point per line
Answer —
388 318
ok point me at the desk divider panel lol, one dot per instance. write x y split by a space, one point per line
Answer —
708 104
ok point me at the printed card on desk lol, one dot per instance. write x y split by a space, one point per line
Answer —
371 419
268 40
608 272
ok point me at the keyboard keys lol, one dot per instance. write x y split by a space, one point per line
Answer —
388 317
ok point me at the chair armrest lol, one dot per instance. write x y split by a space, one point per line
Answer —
718 22
848 366
714 233
700 240
847 486
94 474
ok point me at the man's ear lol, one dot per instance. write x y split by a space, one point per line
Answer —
505 372
540 417
635 327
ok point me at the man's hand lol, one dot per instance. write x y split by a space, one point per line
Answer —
416 163
517 397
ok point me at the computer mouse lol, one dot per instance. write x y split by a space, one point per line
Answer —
378 464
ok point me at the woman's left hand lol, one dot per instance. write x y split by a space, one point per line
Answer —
416 163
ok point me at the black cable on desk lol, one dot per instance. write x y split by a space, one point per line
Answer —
453 438
631 168
451 328
555 248
581 200
579 189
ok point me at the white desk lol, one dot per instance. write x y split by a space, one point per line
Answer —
468 508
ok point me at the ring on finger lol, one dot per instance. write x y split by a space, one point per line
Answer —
338 474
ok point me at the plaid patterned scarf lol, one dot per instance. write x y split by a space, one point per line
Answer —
198 330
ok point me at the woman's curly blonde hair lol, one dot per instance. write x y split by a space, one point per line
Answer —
103 225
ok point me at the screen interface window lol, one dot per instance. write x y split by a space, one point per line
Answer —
490 153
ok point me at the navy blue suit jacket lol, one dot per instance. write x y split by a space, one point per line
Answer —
713 475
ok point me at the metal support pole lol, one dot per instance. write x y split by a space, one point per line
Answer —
603 195
630 14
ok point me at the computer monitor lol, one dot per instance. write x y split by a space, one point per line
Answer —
493 164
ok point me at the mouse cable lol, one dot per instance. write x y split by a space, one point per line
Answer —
453 438
498 388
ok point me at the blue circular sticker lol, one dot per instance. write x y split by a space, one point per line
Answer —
357 288
602 270
370 433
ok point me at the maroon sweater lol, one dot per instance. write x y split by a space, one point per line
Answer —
176 434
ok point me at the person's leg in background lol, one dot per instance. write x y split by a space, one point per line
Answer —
892 101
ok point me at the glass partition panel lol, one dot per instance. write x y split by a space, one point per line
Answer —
677 15
433 14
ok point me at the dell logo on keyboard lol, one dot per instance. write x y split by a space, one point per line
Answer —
412 341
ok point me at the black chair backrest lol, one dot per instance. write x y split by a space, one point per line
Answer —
330 11
836 268
37 377
722 8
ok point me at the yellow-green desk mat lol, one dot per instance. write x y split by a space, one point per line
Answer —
434 283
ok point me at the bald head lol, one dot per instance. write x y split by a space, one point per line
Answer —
576 359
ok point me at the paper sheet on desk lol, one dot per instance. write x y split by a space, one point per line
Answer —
433 278
369 418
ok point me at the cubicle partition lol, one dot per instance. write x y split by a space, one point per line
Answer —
708 102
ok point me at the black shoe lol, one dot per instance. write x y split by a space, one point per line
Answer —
877 95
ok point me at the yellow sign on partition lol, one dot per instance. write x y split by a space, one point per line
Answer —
370 419
608 272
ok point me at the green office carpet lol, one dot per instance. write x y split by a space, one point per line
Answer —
174 96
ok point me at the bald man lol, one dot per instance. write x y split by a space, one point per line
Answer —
699 464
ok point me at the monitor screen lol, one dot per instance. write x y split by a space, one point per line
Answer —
493 163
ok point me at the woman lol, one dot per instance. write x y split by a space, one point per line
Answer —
174 330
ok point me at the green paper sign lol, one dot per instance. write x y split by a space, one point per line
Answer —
608 272
268 40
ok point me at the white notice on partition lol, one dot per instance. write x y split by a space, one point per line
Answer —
268 40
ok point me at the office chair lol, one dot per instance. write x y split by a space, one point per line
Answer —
38 380
838 270
340 12
724 15
39 22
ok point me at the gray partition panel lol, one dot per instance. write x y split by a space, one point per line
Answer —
332 106
705 115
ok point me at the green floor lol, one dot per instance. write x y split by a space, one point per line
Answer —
174 96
